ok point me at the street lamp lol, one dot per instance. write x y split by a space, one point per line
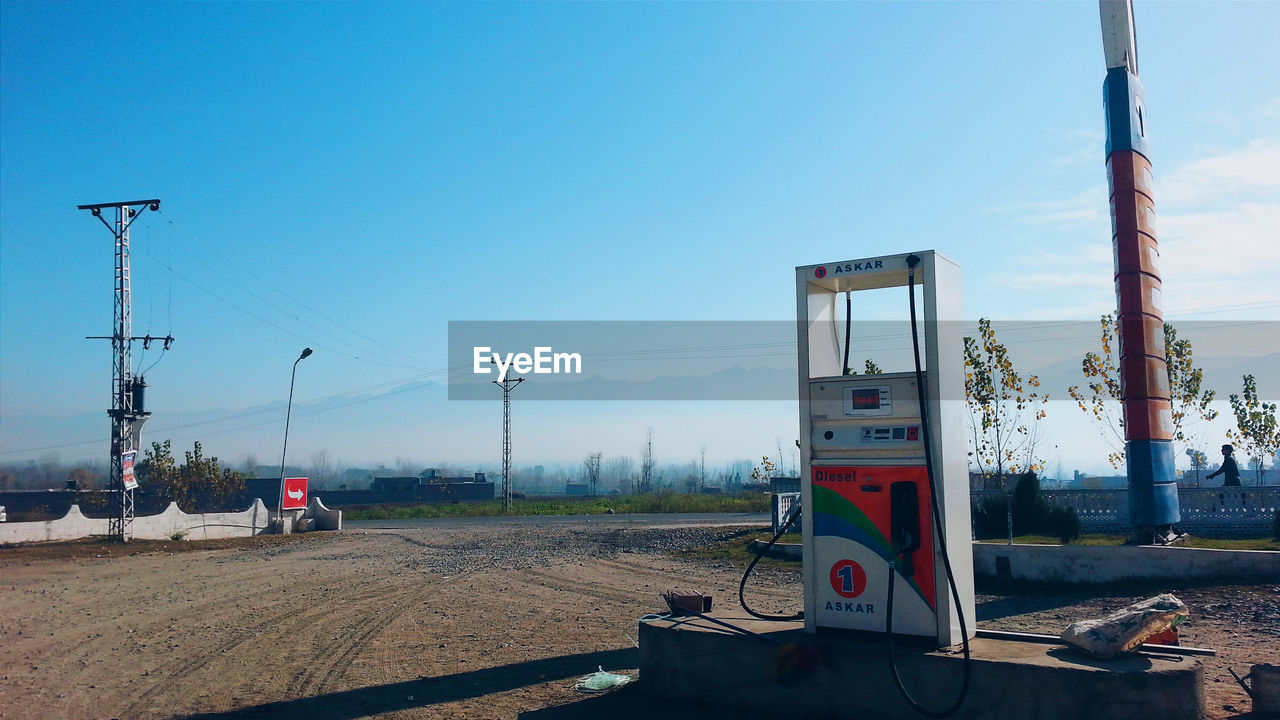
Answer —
288 410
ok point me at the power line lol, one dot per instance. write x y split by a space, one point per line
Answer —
418 363
281 328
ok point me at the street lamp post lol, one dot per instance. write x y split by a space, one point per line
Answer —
288 410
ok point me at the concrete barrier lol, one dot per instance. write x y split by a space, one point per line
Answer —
172 521
71 526
325 519
201 526
1078 563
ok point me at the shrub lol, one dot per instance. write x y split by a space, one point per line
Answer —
1064 524
1032 514
989 518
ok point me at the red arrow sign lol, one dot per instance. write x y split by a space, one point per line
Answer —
295 494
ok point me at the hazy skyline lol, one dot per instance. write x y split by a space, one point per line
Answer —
354 177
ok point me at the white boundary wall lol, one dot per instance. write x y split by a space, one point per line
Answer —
198 526
1078 563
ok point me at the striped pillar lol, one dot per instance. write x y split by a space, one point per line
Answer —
1148 421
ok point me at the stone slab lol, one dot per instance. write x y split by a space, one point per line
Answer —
789 673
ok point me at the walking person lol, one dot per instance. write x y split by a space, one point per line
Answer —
1228 468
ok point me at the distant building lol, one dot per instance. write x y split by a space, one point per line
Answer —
784 484
429 478
394 484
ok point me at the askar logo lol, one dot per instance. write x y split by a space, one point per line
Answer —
848 578
863 266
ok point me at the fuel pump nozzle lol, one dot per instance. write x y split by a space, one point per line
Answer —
904 524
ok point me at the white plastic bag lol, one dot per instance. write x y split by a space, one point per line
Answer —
601 681
1123 631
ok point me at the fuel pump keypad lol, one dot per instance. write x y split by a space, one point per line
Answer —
896 433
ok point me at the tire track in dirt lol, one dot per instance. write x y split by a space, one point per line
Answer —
317 678
560 583
280 623
154 619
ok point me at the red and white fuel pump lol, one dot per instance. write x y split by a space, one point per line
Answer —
885 487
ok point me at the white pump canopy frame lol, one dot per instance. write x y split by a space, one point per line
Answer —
822 382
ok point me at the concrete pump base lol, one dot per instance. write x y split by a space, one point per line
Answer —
788 673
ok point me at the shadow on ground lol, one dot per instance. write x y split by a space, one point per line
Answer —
425 692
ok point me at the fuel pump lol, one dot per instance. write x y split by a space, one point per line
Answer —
885 487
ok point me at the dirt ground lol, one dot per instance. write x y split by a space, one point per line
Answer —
489 621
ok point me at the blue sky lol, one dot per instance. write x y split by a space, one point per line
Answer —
353 176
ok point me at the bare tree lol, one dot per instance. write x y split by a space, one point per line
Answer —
616 471
50 470
702 468
646 464
321 467
406 466
591 471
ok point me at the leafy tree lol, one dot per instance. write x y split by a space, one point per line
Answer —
1199 461
1191 403
1005 409
765 470
1256 429
869 367
1103 400
196 484
157 468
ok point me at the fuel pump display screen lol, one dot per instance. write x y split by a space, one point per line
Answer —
865 399
862 400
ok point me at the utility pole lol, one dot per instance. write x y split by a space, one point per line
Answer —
127 392
507 384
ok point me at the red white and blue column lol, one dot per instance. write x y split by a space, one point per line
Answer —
1148 420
